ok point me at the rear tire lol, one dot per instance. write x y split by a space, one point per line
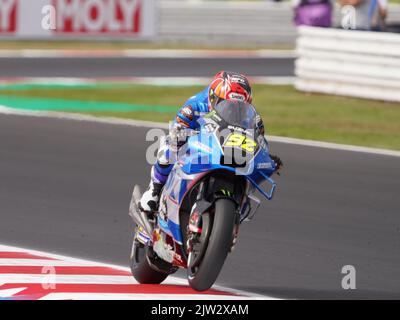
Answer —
140 267
203 277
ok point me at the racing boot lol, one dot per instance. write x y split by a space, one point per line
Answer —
150 198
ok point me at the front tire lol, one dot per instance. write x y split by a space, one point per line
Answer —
201 278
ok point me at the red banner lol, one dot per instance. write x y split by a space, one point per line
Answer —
98 16
8 16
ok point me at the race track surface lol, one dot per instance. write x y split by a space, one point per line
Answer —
65 187
142 67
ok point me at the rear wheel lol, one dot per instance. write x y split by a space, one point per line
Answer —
140 267
203 276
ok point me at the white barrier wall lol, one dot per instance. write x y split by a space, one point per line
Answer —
226 22
352 63
47 19
235 22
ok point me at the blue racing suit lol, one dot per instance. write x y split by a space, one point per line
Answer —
186 118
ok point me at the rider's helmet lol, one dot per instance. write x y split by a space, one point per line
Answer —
228 86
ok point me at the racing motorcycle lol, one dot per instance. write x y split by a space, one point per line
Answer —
208 194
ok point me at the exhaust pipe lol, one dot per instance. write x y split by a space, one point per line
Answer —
137 215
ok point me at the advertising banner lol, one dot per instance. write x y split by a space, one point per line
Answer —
57 19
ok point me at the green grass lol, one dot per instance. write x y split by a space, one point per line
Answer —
286 112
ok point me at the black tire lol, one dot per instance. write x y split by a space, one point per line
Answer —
140 267
203 277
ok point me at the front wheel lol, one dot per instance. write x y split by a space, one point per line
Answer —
202 277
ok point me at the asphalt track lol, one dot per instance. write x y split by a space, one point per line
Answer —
142 67
65 187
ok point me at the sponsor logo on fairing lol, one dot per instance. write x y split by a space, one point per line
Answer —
266 165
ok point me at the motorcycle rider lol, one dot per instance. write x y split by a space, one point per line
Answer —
224 86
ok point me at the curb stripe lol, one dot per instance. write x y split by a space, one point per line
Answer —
89 286
22 255
42 263
35 288
64 270
137 296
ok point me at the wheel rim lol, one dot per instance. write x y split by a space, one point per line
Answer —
198 250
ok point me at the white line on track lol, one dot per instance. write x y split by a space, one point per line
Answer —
9 292
334 146
148 124
40 262
61 279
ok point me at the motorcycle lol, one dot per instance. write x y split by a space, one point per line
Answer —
208 194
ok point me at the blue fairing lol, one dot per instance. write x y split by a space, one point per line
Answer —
171 228
204 153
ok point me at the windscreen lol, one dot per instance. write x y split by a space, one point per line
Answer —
237 113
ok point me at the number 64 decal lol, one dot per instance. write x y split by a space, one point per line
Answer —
240 141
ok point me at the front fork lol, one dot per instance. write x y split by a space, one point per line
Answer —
195 225
201 206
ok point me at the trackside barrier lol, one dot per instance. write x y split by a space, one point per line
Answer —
226 22
235 22
351 63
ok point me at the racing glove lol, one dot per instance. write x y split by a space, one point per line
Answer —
179 134
278 163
